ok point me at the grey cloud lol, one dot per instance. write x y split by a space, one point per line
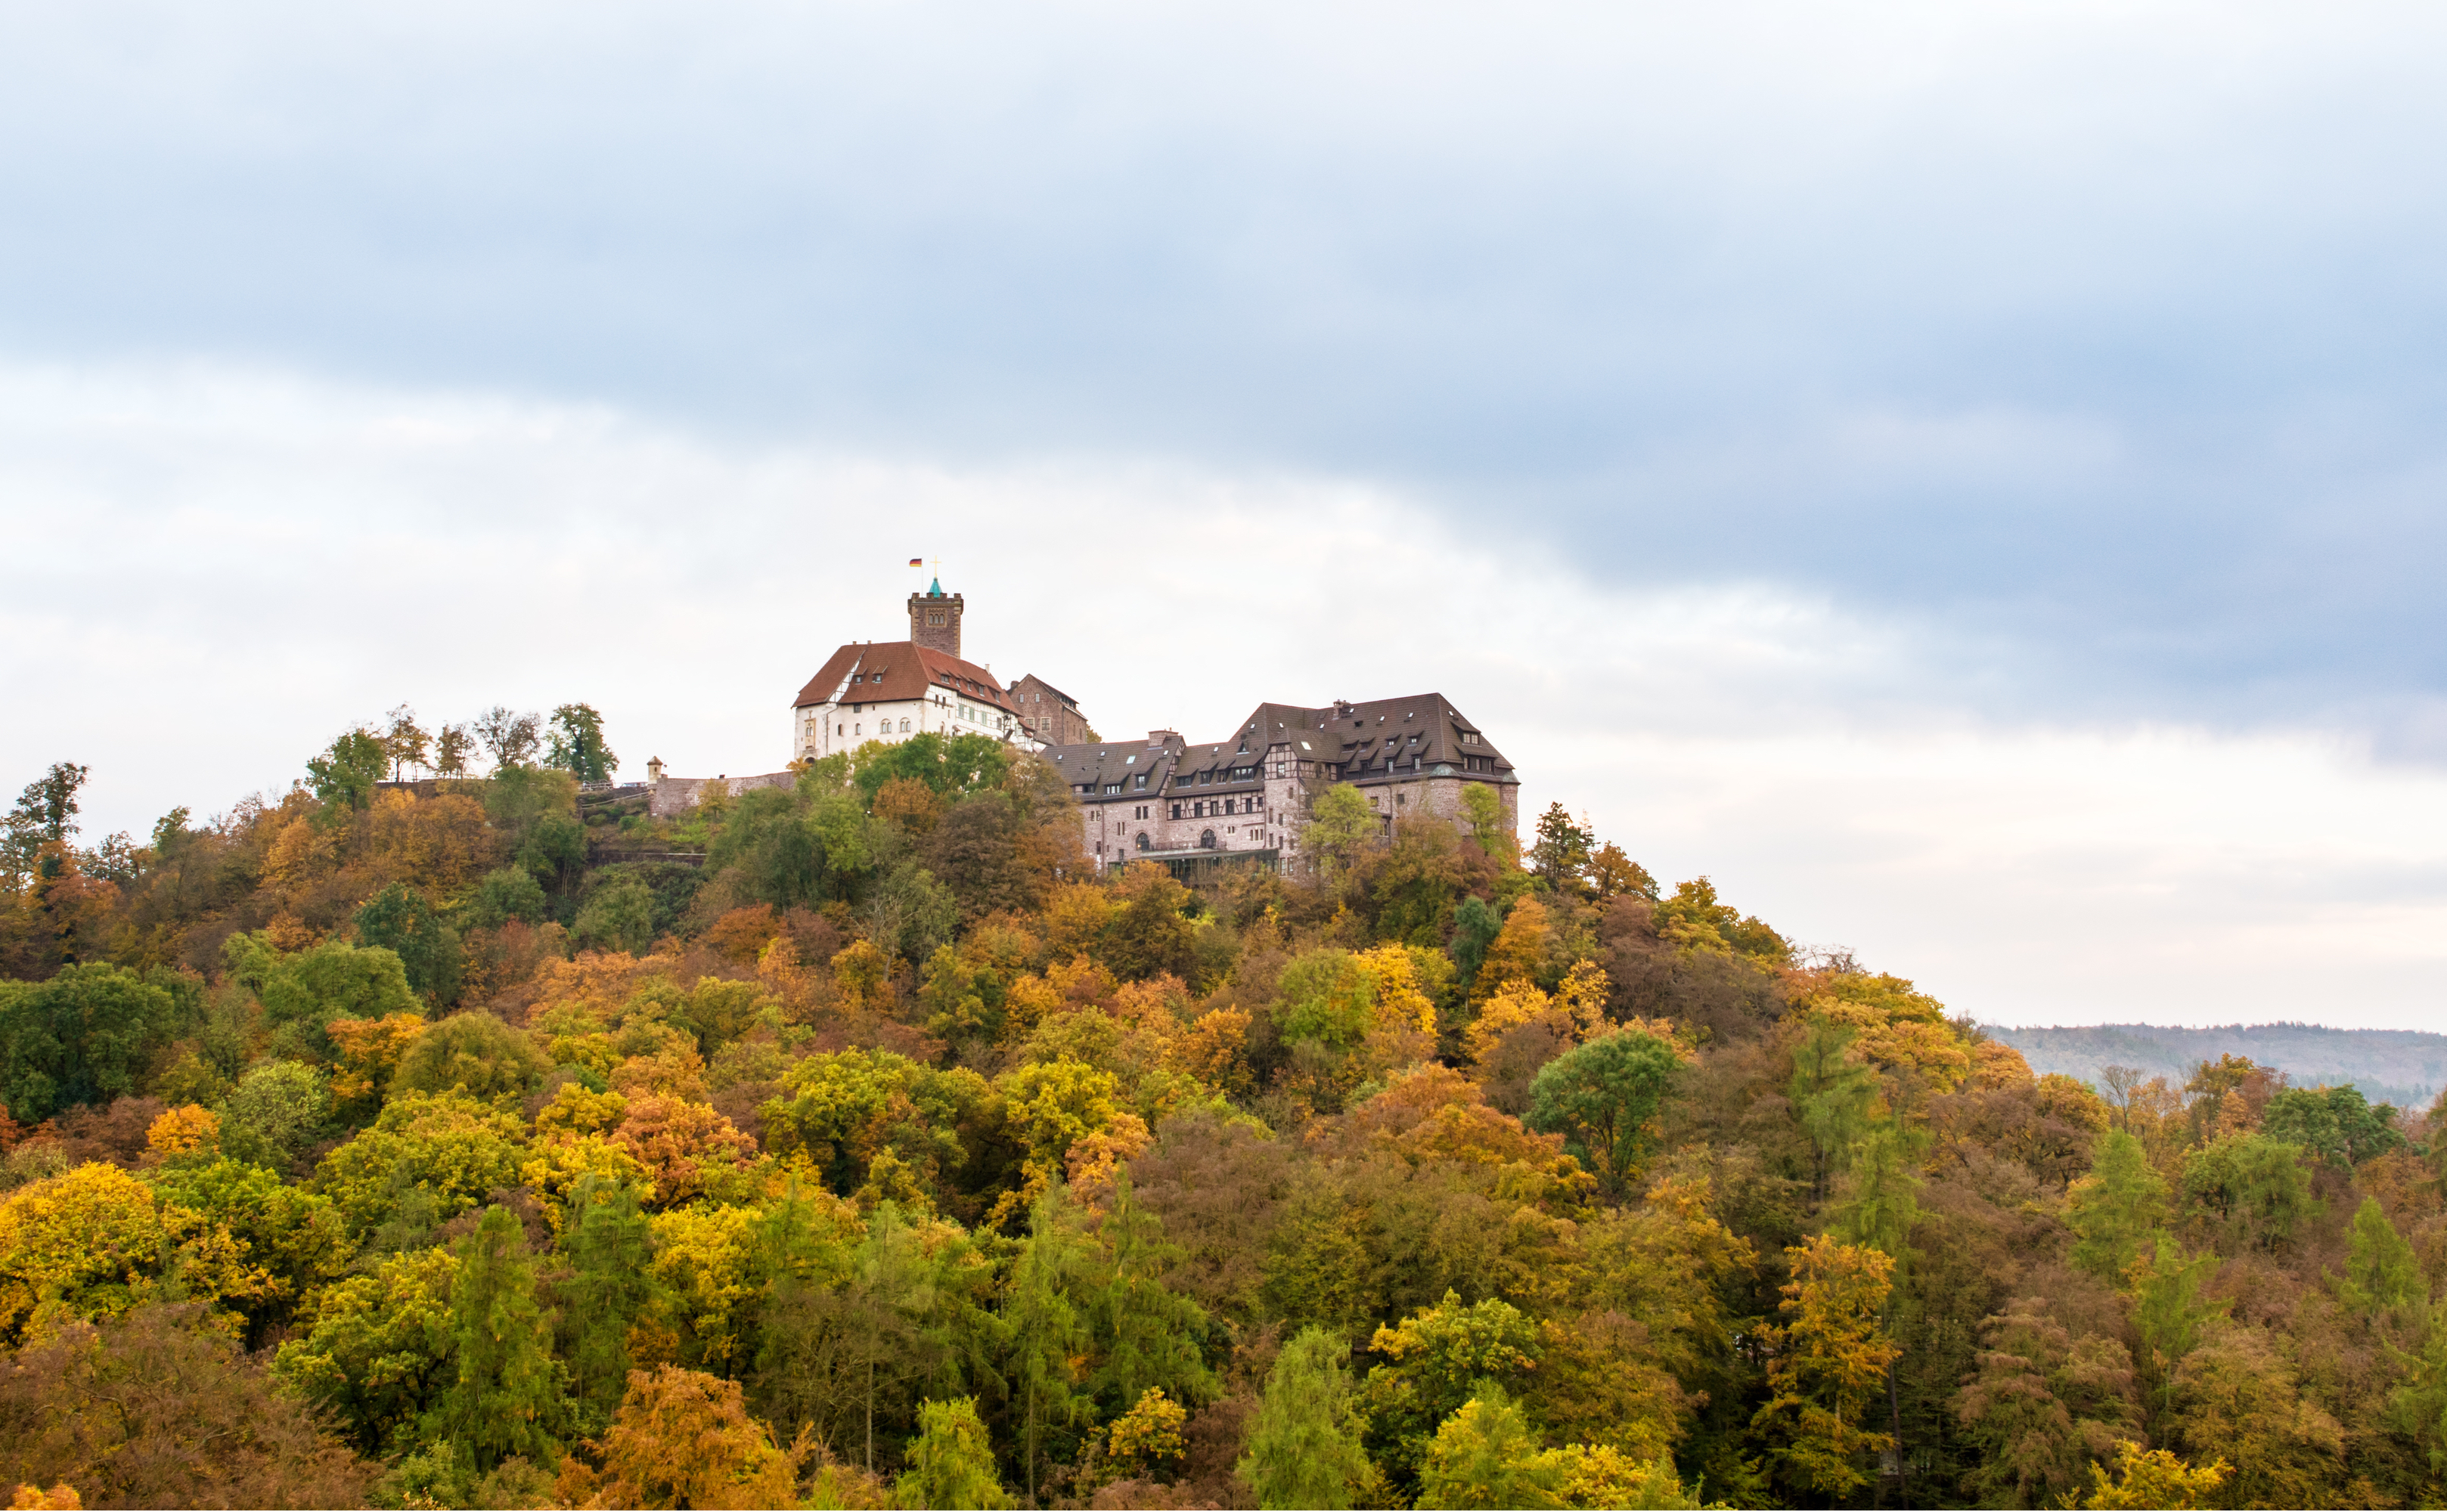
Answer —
2103 347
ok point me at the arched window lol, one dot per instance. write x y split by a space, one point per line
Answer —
1143 839
905 727
1206 840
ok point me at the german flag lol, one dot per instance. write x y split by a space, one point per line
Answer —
917 562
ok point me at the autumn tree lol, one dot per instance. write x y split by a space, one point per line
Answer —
1828 1361
451 748
2145 1479
1484 1455
1434 1361
159 1408
684 1439
404 742
2042 1407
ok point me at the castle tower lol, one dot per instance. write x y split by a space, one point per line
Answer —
934 619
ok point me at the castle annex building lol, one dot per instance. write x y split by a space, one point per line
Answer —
1244 798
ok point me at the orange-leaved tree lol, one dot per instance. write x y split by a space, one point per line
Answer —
684 1438
1829 1361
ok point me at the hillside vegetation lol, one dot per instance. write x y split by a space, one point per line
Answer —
375 1143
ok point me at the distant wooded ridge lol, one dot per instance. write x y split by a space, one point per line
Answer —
2403 1067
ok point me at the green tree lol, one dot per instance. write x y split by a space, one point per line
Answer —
344 775
473 1052
303 991
1434 1361
1483 810
2168 1310
1604 1098
83 1038
1305 1447
1476 922
511 892
279 1109
2383 1275
1880 1200
376 1352
575 743
2332 1123
1484 1456
45 815
771 848
1049 1327
399 920
506 1395
1150 1334
1340 821
1835 1093
611 1255
951 1462
1560 854
2250 1189
619 916
2116 1207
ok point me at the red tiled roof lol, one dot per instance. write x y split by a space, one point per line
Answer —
891 670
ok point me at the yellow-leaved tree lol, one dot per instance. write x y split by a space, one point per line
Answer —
1827 1363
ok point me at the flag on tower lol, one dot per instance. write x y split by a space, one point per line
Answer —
917 562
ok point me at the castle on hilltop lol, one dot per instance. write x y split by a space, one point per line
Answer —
1193 806
892 690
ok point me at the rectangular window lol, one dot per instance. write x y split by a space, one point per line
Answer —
1139 782
1176 811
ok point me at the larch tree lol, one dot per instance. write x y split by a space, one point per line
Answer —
507 1398
1305 1448
1828 1360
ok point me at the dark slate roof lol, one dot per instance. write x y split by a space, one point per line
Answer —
885 671
1424 725
1114 761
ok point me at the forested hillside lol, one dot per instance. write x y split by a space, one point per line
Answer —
378 1141
2395 1066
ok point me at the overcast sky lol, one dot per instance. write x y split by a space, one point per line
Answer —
1967 478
